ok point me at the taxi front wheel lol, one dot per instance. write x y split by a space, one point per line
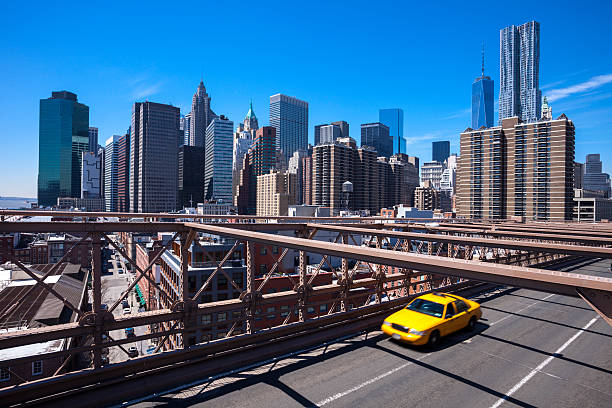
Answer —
434 338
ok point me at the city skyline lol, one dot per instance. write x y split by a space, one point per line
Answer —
432 112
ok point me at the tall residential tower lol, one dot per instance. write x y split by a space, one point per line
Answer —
519 72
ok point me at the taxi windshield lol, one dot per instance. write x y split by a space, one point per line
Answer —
426 307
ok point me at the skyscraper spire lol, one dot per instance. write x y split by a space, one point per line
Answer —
483 59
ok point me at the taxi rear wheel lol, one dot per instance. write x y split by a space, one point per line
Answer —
434 338
472 323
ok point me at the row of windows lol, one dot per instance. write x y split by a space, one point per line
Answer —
37 369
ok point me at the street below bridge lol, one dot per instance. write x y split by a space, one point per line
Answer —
531 349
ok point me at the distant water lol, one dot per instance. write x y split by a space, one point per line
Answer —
15 203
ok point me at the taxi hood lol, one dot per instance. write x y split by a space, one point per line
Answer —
414 320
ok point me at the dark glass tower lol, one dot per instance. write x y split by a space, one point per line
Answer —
377 135
440 151
394 119
63 137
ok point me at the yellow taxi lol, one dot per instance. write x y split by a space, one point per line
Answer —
431 316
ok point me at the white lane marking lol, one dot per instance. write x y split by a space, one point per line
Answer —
521 310
543 364
366 383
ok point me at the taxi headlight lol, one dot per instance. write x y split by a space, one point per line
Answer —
418 333
386 323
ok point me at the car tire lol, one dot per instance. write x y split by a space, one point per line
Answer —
434 338
472 323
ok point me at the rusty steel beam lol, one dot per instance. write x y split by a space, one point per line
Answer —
577 250
85 227
155 216
581 229
529 278
503 233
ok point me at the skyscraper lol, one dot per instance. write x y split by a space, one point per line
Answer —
90 175
343 126
329 133
201 116
154 157
289 116
123 173
482 100
594 179
111 154
519 70
376 135
190 176
63 137
243 139
440 151
260 159
186 125
93 139
394 119
218 160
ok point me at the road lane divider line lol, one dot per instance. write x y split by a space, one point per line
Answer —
543 364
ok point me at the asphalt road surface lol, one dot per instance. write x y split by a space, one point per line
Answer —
531 349
114 285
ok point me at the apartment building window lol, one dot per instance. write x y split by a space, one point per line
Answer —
206 319
221 317
5 374
37 367
323 308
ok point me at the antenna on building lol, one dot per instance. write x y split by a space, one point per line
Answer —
482 52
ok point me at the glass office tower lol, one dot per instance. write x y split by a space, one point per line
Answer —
440 151
377 135
482 102
289 116
218 160
394 119
63 137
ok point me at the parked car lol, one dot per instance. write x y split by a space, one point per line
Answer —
125 304
133 352
129 332
120 271
104 306
429 317
151 349
127 310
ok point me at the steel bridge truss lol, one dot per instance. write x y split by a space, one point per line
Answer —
398 262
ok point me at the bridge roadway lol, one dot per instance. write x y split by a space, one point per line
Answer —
531 349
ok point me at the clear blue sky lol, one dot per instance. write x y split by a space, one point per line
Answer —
347 59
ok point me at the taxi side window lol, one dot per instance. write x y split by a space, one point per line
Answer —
461 306
450 310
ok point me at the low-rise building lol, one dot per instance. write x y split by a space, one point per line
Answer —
39 309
